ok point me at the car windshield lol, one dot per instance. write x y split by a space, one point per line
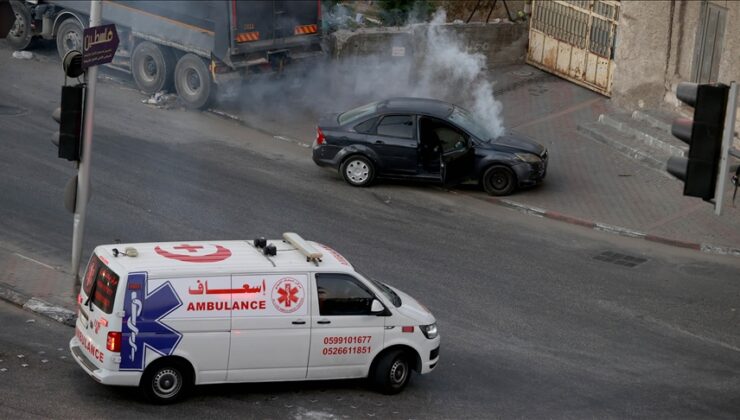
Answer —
357 113
387 291
467 122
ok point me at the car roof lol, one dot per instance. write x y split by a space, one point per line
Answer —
433 107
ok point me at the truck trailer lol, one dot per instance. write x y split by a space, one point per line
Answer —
187 45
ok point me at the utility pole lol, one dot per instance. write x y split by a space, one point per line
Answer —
83 178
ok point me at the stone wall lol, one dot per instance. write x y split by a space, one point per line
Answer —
655 50
501 43
641 54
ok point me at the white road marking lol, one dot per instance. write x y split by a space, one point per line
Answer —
35 261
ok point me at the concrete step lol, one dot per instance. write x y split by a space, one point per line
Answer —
626 144
658 119
659 139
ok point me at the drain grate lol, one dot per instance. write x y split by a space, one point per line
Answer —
620 259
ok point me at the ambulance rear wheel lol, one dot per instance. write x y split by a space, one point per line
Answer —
166 382
193 81
392 372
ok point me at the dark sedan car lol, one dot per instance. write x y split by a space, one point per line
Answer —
425 139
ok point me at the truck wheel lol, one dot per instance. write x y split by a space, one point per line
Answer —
392 372
69 37
192 81
166 382
21 34
153 67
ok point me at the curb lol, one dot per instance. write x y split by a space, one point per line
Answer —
39 306
615 230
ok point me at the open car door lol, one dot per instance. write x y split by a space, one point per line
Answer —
458 156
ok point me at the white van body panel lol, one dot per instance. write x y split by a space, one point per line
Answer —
236 315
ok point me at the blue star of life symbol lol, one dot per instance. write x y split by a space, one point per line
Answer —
142 322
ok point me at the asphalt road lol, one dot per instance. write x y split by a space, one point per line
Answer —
532 324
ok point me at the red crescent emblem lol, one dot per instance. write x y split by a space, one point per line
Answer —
220 254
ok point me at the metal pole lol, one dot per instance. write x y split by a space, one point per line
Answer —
727 135
83 177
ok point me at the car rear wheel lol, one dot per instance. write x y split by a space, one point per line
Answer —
358 171
153 67
392 372
499 180
166 382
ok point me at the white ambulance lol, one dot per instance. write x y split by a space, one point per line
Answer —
168 316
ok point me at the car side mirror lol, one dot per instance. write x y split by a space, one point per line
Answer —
377 308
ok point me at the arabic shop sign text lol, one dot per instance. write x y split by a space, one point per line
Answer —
99 45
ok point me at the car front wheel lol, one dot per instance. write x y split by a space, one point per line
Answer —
358 171
499 180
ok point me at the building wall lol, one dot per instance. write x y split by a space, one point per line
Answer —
656 46
641 54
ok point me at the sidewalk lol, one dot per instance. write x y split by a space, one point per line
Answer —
36 286
592 184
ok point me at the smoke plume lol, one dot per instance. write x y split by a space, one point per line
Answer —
421 60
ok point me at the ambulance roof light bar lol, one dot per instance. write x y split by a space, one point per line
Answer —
303 247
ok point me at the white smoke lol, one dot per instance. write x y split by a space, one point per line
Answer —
447 65
439 68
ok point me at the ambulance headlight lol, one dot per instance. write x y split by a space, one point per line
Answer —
430 331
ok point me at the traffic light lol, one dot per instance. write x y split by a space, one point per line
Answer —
703 134
70 114
7 18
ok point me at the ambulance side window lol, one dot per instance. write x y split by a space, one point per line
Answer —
342 294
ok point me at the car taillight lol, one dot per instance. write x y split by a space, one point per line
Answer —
114 341
320 139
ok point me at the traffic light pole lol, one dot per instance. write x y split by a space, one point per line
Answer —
83 175
727 136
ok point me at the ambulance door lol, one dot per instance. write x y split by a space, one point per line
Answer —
345 335
270 328
184 316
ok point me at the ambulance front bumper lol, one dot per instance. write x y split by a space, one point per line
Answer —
431 356
104 376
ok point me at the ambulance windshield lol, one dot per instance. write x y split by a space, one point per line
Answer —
387 291
100 285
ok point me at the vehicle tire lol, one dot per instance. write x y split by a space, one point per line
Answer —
192 81
21 34
153 67
166 382
391 372
358 171
69 37
499 180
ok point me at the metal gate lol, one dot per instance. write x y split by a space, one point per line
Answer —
575 40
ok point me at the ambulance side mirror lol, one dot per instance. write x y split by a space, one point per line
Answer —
377 308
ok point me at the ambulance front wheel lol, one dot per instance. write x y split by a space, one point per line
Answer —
166 382
391 372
